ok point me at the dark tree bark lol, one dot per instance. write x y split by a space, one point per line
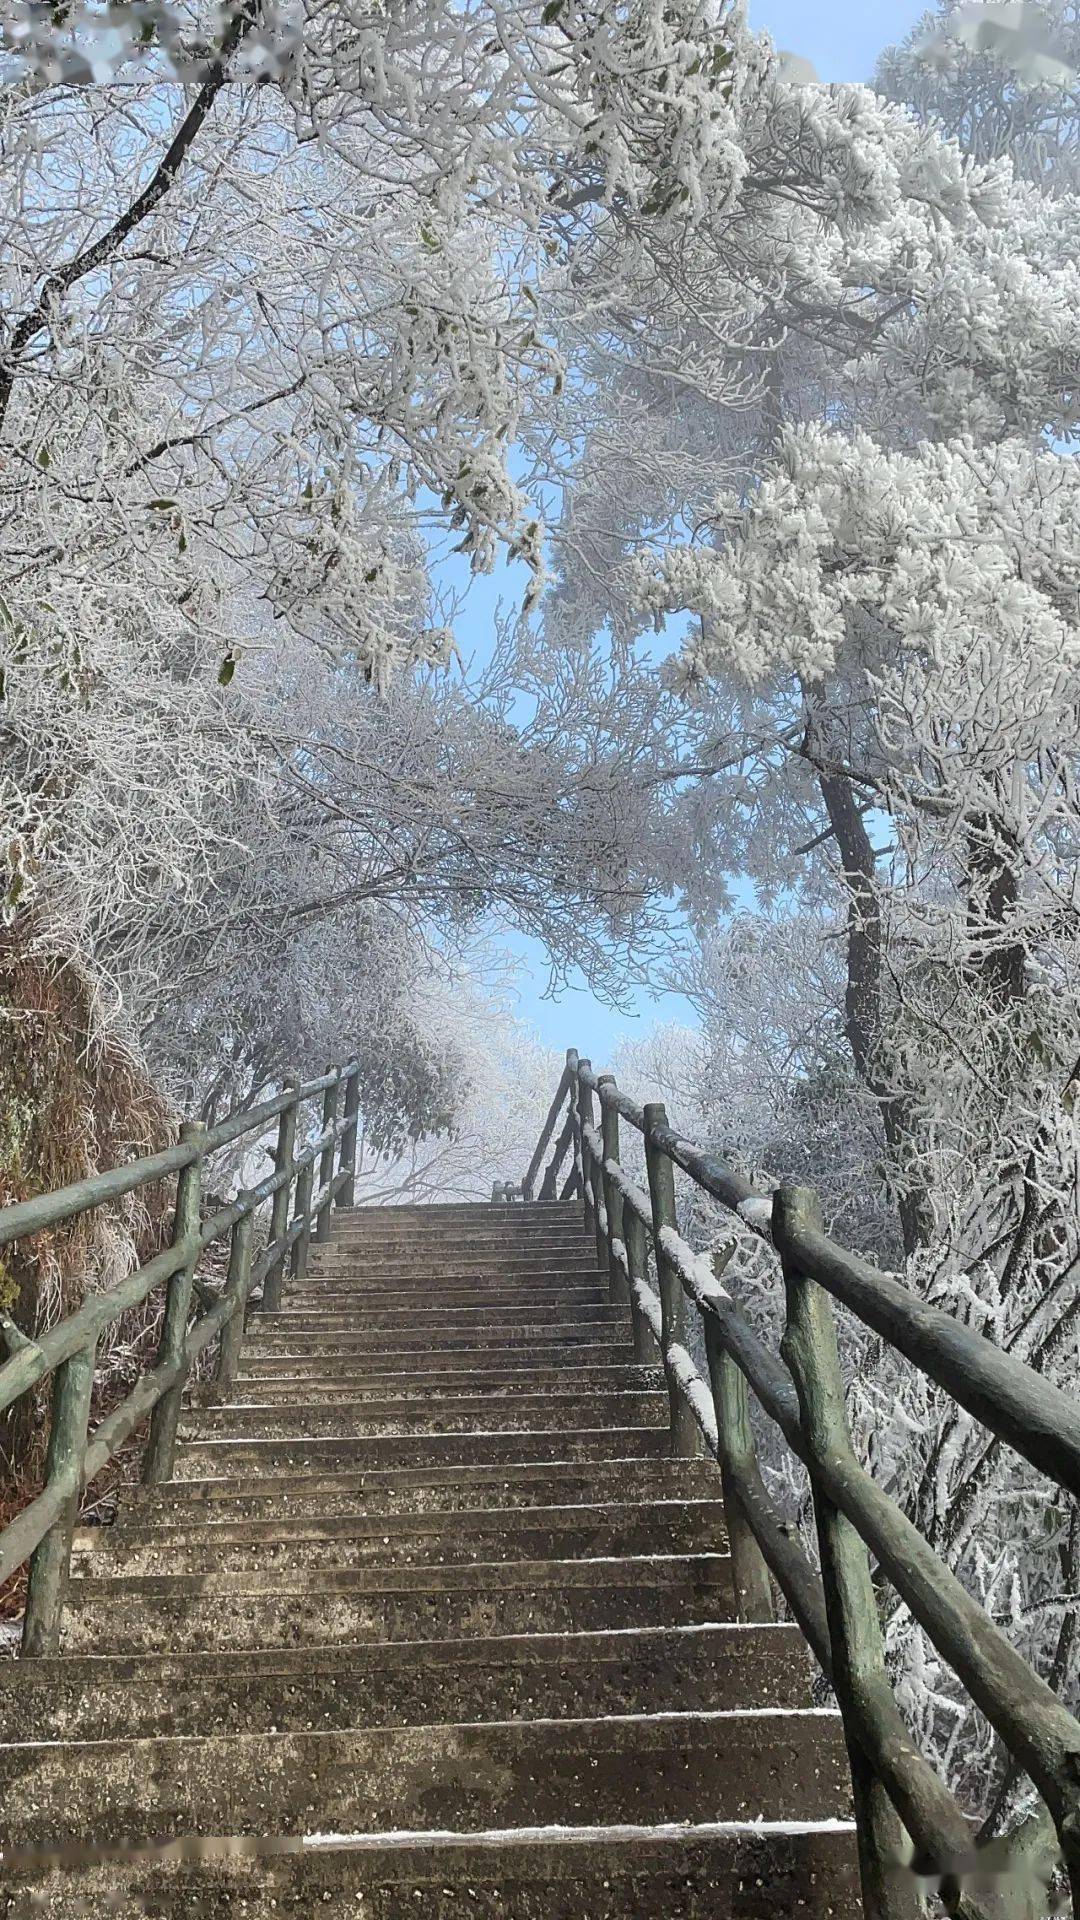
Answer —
865 964
993 891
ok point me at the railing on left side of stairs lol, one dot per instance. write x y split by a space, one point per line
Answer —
801 1389
195 1314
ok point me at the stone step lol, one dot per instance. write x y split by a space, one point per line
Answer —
433 1319
458 1249
512 1363
485 1209
512 1411
479 1273
463 1215
423 1218
334 1297
789 1763
429 1620
410 1683
361 1274
537 1242
732 1870
361 1539
318 1387
602 1336
469 1256
290 1455
423 1489
516 1259
544 1255
429 1309
187 1613
462 1233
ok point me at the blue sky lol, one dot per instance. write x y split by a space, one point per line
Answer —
842 39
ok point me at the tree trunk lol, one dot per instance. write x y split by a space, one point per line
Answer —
862 1000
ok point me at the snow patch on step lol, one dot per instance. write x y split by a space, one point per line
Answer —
580 1836
192 1848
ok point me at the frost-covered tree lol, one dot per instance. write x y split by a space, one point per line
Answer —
820 433
374 837
1007 87
503 1080
920 608
270 323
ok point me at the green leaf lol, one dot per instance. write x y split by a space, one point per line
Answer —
44 458
161 506
226 669
552 11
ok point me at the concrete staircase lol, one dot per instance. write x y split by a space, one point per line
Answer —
427 1622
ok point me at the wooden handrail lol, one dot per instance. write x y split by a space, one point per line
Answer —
545 1135
1033 1416
854 1515
42 1531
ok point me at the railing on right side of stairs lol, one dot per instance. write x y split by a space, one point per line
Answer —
195 1314
802 1390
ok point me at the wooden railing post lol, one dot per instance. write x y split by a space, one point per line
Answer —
347 1158
281 1204
529 1182
858 1660
50 1564
305 1180
637 1268
609 1129
595 1164
237 1288
684 1429
326 1160
749 1574
584 1119
164 1420
565 1141
281 1209
572 1182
